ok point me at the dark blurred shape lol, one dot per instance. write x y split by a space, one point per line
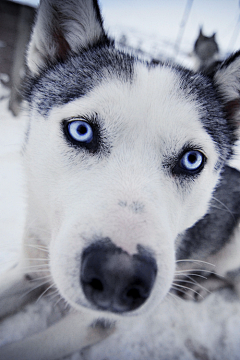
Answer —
15 29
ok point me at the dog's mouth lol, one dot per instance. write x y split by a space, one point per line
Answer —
114 281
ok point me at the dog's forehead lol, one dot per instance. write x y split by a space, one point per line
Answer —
153 95
79 75
63 82
115 82
151 99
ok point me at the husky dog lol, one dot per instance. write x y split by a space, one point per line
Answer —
205 53
121 158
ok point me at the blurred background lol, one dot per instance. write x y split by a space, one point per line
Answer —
157 30
169 28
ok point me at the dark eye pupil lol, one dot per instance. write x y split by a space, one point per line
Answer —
192 158
82 130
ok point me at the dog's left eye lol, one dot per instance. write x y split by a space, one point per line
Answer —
192 161
80 131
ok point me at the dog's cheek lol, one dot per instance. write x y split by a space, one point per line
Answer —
64 262
195 203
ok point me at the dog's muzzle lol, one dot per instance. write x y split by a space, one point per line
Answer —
112 280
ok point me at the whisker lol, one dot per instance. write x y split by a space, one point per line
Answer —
197 261
175 297
186 288
197 275
198 270
219 208
225 206
60 298
56 295
38 259
44 292
53 294
67 305
193 274
33 271
185 273
32 224
193 282
41 278
198 284
34 288
182 291
38 247
38 266
188 282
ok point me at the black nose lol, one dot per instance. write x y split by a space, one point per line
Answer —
114 280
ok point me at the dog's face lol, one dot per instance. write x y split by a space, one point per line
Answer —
121 158
206 47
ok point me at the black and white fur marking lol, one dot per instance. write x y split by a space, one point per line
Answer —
121 158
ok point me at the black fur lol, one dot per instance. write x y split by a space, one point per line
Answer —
211 233
71 79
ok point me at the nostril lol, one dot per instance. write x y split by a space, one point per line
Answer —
96 284
133 294
136 294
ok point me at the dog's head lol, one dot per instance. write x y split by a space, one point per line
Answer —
206 47
121 158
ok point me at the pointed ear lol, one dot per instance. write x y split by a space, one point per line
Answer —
213 36
63 27
227 81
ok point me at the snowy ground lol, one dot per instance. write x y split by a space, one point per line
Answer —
11 182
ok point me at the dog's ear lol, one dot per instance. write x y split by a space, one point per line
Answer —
227 81
62 27
213 36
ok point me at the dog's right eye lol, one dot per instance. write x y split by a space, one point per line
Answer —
80 131
83 134
190 163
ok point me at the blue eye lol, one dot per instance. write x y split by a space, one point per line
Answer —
80 131
192 160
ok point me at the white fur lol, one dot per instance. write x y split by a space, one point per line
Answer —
74 198
88 205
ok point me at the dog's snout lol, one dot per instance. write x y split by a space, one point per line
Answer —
115 281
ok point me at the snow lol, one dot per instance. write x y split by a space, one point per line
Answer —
154 25
12 202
